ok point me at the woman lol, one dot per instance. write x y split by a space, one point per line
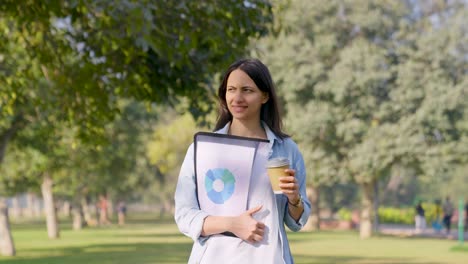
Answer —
419 218
248 108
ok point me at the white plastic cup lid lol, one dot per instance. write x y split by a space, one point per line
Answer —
277 162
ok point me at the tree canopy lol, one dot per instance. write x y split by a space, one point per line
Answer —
372 85
65 63
89 53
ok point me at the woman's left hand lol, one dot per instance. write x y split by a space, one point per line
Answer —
289 186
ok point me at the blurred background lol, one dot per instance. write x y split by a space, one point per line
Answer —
99 101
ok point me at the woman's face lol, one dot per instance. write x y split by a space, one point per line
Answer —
244 99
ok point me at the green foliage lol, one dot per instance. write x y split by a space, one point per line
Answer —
38 148
339 195
344 214
117 167
170 141
21 170
432 212
166 149
373 85
65 66
396 215
92 52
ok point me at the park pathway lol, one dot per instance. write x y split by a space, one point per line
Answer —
409 231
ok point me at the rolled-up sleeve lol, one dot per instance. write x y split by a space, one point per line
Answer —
301 179
188 216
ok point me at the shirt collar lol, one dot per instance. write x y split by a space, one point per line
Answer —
270 135
225 129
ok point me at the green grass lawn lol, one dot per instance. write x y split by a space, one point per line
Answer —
145 241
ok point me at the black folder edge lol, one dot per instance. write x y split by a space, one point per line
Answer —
212 134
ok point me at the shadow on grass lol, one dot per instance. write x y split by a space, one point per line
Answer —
149 219
319 235
460 248
142 253
303 259
151 235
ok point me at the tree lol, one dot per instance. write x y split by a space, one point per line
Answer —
166 150
117 168
70 62
42 142
369 84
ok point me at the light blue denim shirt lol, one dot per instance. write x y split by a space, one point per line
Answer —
190 218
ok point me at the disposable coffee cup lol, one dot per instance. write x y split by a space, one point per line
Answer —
275 170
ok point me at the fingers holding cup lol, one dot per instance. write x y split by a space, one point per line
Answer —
288 184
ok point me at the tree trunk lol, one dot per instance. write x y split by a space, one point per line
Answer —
77 218
7 247
49 206
90 221
66 209
376 206
365 225
313 224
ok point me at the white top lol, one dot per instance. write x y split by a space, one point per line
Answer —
226 249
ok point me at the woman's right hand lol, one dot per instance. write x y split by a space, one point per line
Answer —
246 227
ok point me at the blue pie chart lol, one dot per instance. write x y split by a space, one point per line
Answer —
213 180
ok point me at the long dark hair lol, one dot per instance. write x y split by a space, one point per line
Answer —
260 74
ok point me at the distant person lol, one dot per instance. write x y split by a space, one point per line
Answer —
420 219
448 209
121 212
466 215
436 224
103 211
